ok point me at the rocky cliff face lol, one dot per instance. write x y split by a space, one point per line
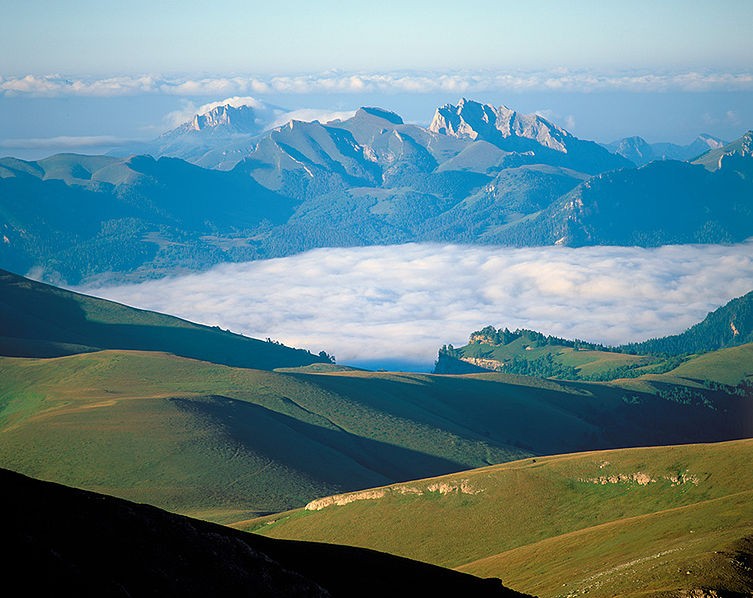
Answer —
472 120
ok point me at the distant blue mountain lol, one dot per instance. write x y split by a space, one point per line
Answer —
641 152
477 174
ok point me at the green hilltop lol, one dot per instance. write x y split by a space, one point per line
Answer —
532 353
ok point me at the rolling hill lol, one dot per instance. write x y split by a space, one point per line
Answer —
63 541
635 522
39 320
220 442
197 436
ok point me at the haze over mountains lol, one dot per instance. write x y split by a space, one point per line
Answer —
641 152
477 174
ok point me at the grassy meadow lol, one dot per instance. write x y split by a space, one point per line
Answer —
629 522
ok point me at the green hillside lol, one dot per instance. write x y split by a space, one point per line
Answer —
226 443
72 217
727 326
38 320
632 522
532 353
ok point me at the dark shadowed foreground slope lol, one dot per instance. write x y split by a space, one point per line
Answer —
66 542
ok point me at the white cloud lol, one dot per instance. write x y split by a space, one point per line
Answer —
374 304
235 102
267 116
64 142
265 113
389 82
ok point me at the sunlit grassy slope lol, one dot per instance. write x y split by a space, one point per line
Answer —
532 353
226 443
630 522
726 366
585 362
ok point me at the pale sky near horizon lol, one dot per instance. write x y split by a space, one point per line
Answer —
100 37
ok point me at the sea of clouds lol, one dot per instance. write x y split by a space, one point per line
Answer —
55 85
394 306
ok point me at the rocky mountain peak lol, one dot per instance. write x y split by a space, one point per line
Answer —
242 119
472 120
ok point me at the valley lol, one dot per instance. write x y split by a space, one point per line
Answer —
195 433
375 300
560 466
478 174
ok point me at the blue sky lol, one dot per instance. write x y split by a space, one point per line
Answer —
106 37
115 70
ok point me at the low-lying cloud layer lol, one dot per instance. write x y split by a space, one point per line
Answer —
382 305
64 142
389 82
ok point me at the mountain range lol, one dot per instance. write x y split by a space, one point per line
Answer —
565 466
641 152
477 174
217 136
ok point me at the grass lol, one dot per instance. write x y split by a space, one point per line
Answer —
677 548
229 443
545 528
586 362
727 366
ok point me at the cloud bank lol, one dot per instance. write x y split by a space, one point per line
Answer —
64 142
388 82
377 306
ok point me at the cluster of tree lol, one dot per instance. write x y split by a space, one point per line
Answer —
728 326
686 396
541 367
744 389
505 336
633 370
